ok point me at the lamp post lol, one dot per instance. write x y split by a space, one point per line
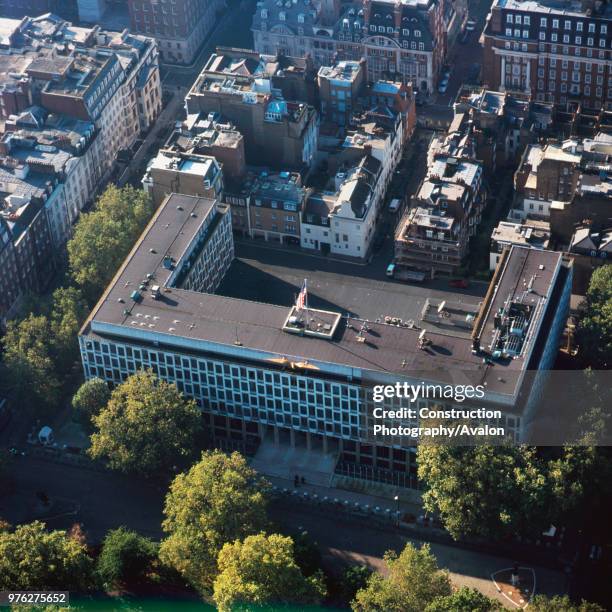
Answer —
397 510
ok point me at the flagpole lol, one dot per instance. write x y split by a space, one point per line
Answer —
306 300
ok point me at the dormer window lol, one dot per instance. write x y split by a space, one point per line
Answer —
417 33
282 16
264 13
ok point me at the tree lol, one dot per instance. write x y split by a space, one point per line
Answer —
485 491
219 500
68 312
262 570
126 558
354 578
103 237
464 600
595 326
147 427
34 559
29 371
307 554
93 395
558 603
414 581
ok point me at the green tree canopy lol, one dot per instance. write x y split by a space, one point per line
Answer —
29 375
484 490
219 500
126 558
414 581
262 570
146 428
34 559
68 312
92 396
464 600
595 326
103 237
558 603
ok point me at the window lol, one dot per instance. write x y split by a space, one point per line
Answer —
566 38
602 42
553 37
578 40
509 18
417 33
579 26
591 28
563 87
421 46
568 25
517 33
406 32
508 31
542 35
542 22
590 42
555 23
517 19
526 20
604 29
525 33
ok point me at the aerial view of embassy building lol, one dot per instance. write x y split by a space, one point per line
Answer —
269 374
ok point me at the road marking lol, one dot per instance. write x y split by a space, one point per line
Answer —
500 590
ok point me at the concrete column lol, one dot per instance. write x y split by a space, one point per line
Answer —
502 81
527 76
292 438
324 443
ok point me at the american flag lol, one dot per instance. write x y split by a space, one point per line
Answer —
302 297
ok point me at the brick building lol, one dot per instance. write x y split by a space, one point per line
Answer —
277 132
401 41
179 26
559 51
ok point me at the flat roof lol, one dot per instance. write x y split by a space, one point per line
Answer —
200 322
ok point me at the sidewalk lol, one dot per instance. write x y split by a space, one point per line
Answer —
351 501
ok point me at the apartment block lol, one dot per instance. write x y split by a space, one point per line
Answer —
108 78
277 132
502 124
271 374
187 173
339 89
179 26
400 41
554 175
446 211
558 51
207 135
342 217
532 233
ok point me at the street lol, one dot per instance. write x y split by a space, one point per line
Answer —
102 500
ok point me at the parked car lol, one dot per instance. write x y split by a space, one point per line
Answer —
395 205
443 86
459 283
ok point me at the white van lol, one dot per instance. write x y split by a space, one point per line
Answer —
394 205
